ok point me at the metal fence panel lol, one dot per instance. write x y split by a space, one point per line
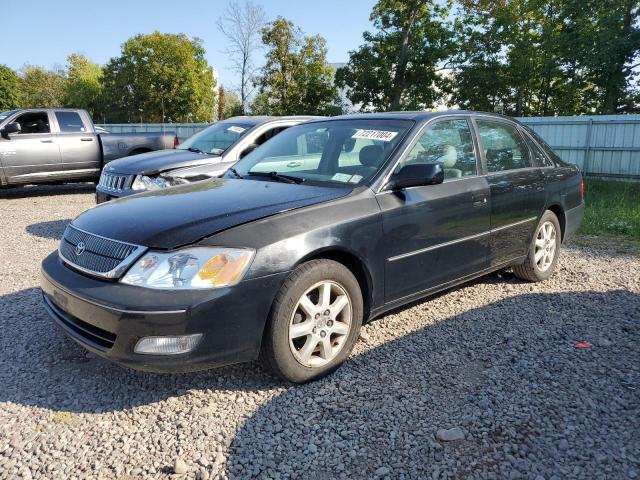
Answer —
182 130
603 145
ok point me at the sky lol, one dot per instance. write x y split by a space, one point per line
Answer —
46 32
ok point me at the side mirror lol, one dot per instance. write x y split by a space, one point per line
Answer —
416 175
10 128
248 150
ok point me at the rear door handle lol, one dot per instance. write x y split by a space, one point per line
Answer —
46 141
85 139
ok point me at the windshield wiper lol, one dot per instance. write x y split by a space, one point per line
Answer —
197 150
278 176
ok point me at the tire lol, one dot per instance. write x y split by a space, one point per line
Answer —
547 239
328 338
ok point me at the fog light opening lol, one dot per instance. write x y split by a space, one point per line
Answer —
167 345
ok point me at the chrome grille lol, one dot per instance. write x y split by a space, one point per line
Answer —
114 182
95 254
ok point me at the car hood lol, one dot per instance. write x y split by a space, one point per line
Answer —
152 163
182 215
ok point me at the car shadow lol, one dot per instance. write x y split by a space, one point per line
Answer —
51 229
45 190
508 373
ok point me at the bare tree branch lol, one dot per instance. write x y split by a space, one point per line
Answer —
242 26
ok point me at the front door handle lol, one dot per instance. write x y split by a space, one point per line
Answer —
85 139
479 200
46 141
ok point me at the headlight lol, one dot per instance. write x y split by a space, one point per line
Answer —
190 268
143 182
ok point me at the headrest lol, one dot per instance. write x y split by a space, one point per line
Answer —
370 155
449 156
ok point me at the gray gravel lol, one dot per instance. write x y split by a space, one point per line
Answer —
483 381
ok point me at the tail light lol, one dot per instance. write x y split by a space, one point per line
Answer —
176 141
581 189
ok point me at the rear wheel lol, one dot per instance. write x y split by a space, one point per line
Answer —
314 323
543 252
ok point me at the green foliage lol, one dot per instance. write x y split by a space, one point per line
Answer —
397 66
546 57
160 72
9 94
83 88
229 105
40 88
613 208
296 78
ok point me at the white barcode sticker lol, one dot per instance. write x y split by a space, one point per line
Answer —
382 135
235 129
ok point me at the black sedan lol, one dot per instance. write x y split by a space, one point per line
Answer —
330 224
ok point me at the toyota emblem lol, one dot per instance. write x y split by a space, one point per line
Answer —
80 248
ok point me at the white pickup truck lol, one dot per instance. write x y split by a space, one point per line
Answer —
54 145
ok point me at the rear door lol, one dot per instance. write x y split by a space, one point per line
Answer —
517 188
437 234
32 154
79 145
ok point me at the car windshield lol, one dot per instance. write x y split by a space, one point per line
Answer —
216 138
332 151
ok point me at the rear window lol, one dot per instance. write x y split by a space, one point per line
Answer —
70 122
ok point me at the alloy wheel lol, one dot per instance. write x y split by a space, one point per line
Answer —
320 324
545 246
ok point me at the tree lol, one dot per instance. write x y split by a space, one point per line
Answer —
228 104
398 65
606 45
83 88
547 57
9 97
296 78
160 77
40 88
242 25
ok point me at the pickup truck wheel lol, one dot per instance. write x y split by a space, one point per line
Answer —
543 252
314 322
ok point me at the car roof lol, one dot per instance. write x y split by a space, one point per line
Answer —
262 119
418 116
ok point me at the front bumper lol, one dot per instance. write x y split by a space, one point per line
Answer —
108 318
103 195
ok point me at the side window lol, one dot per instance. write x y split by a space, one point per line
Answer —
269 134
33 122
504 147
541 159
70 122
448 143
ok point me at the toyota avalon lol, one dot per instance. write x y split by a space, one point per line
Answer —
328 225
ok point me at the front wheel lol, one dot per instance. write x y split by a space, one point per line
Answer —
314 322
544 250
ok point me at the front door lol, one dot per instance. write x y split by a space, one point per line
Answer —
438 233
517 189
31 154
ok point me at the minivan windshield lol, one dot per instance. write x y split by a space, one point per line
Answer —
331 151
217 138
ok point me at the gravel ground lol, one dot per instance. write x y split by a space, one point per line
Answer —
483 381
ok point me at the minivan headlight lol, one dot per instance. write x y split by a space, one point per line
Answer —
190 268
